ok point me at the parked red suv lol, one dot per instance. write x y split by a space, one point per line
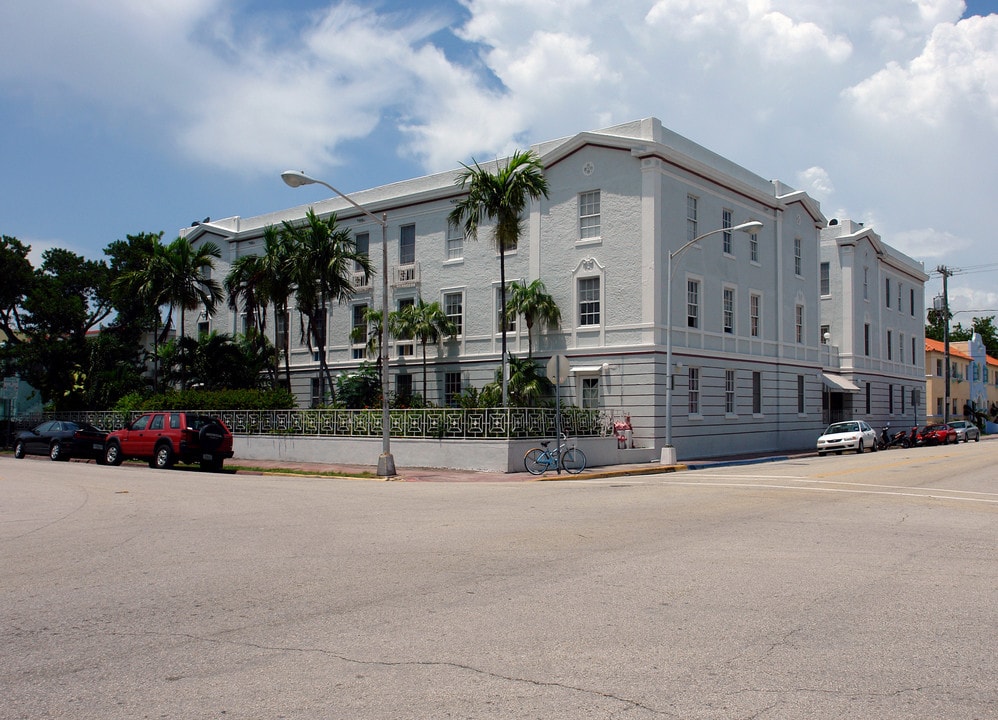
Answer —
164 438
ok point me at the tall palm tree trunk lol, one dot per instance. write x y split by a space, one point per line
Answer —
502 322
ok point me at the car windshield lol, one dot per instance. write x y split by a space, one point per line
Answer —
843 427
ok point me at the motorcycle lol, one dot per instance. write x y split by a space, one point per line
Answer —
898 439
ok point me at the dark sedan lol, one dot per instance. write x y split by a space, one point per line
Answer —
61 440
936 435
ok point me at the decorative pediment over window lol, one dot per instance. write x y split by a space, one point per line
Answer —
589 266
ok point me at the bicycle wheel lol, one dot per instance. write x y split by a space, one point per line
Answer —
573 461
534 461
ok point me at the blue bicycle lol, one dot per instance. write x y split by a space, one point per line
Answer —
570 459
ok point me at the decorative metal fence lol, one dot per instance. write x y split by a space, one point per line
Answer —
479 424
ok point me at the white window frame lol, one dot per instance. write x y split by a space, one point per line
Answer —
693 392
447 295
799 323
755 315
728 310
362 244
450 395
590 391
405 347
359 349
692 211
406 242
454 244
694 320
590 228
798 257
497 323
588 300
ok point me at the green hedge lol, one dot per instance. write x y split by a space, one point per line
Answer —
276 399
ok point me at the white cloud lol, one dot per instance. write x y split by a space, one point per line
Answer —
817 183
927 243
896 100
956 74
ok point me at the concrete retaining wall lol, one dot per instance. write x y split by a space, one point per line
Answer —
490 455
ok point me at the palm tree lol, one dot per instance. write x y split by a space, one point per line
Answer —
187 284
370 334
258 280
535 304
148 283
425 321
323 260
500 197
278 272
246 287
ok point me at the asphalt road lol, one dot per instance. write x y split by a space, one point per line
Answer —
840 587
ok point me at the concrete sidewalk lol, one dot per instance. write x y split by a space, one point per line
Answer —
422 474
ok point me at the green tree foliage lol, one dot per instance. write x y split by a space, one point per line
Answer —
359 389
427 322
18 279
257 281
142 280
217 361
370 334
500 198
323 256
983 326
527 386
533 302
68 298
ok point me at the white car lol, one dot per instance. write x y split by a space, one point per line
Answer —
847 435
965 431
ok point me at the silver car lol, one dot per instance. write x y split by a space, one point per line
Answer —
847 435
965 431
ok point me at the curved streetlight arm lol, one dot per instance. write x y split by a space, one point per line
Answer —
751 227
294 178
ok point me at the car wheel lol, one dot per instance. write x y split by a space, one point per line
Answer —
112 454
977 437
859 448
162 458
19 450
821 454
946 440
56 453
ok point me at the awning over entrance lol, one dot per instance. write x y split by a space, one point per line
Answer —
838 383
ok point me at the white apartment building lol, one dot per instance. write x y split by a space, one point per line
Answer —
751 367
873 328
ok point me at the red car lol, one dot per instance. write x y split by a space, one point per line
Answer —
936 435
164 438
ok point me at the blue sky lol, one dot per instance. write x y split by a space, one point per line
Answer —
121 117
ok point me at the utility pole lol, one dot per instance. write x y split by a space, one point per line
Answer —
946 272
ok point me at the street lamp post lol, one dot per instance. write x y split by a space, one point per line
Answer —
386 463
751 227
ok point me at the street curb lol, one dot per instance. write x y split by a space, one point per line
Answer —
652 470
728 463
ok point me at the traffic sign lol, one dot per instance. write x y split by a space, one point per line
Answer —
557 369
